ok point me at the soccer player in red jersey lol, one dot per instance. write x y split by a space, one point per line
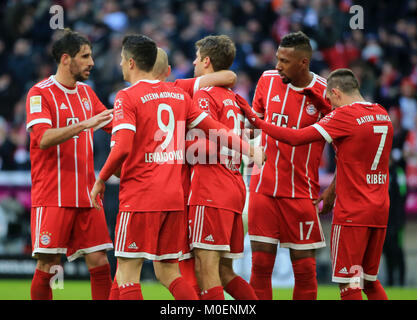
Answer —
62 113
161 71
221 78
281 209
361 134
217 192
149 130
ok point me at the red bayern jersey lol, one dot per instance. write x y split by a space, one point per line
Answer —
62 175
190 85
362 135
158 113
289 171
219 185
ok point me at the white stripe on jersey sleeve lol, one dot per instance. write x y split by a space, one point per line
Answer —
124 126
323 132
195 123
196 84
37 121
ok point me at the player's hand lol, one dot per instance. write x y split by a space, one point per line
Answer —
99 120
258 155
328 196
316 98
247 110
98 190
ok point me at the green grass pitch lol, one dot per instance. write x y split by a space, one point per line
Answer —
80 290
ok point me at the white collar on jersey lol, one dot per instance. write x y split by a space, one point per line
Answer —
309 85
146 80
359 102
60 86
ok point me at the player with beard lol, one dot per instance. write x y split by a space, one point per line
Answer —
62 114
282 196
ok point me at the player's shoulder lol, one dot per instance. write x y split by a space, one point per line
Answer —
320 82
42 85
270 73
214 93
214 90
83 85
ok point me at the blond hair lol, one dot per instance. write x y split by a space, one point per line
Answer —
160 67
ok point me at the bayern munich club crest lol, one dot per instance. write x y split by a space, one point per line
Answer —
45 238
86 104
311 110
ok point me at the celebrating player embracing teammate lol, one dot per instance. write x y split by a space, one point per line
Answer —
149 127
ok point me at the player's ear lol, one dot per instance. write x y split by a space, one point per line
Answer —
65 59
131 63
336 92
207 62
168 72
305 62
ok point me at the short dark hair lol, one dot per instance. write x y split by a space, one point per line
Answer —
344 80
298 41
141 49
220 49
70 43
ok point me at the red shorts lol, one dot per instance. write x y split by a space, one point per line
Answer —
293 223
186 252
356 252
216 229
150 235
70 231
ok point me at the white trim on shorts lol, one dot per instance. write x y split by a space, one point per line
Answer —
224 251
214 247
49 251
345 280
146 255
230 255
263 239
84 251
186 256
305 246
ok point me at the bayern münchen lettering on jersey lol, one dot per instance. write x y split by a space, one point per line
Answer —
362 135
289 171
158 113
62 175
219 185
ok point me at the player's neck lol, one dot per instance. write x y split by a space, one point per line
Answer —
207 70
65 79
304 80
352 99
140 75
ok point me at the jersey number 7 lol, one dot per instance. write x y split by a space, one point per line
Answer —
384 131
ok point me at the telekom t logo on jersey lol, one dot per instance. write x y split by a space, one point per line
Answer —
281 120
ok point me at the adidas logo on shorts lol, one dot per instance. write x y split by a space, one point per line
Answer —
343 270
209 238
133 246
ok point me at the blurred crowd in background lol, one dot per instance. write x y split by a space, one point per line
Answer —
383 55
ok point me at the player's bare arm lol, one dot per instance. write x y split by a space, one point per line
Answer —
55 136
222 78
